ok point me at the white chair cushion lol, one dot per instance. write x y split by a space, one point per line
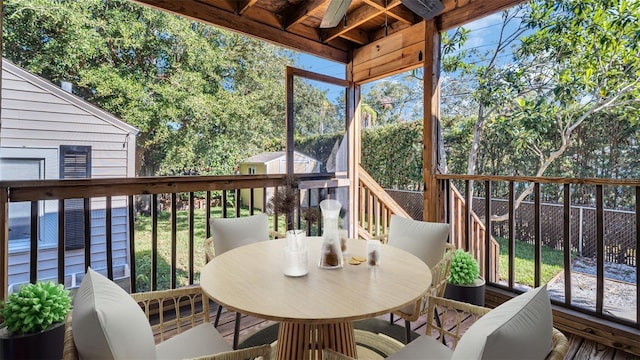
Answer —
230 233
108 323
424 347
425 240
520 327
201 340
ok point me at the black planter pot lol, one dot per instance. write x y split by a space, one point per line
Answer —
472 294
47 344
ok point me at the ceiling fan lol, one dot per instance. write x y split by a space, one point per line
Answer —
337 9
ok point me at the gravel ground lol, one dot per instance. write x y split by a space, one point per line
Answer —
619 287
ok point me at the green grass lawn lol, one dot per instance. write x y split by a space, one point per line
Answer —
143 246
552 262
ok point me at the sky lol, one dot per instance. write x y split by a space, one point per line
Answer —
483 34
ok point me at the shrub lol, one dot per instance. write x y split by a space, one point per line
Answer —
464 268
35 307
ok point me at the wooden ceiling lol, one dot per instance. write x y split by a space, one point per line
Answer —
296 23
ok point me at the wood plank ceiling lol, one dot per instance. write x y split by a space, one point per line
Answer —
296 23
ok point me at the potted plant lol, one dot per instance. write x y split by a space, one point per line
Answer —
464 283
286 200
33 322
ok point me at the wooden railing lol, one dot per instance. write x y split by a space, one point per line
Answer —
469 233
110 236
375 207
599 315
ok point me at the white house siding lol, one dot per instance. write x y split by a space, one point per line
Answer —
37 118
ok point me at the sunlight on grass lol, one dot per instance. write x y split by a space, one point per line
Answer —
552 262
143 246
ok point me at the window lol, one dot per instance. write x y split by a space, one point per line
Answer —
75 163
251 170
20 212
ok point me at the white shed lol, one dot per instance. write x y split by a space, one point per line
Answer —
49 133
273 163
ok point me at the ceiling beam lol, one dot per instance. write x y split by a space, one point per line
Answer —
217 17
354 19
399 13
357 36
244 5
298 14
403 14
472 11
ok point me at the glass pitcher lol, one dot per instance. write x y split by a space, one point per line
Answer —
331 252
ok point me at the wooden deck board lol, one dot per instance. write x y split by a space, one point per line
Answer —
580 348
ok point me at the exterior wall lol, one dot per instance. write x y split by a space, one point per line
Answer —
302 165
38 117
245 194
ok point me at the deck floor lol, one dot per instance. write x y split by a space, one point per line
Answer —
580 348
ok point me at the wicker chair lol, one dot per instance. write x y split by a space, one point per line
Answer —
329 354
171 312
229 233
428 241
455 313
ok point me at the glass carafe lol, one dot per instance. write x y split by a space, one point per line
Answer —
331 253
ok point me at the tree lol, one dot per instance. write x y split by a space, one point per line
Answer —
483 69
583 59
203 98
392 100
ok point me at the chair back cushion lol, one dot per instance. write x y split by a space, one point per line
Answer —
425 240
107 323
230 233
519 328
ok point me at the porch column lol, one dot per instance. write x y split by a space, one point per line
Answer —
355 149
431 211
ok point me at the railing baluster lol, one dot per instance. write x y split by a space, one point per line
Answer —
207 224
87 232
567 244
361 204
4 242
298 209
308 207
369 212
33 243
174 240
487 234
264 199
109 236
377 217
637 255
224 203
599 248
236 200
61 242
154 242
132 243
252 202
467 215
275 212
512 234
192 229
537 234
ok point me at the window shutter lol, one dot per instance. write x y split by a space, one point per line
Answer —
75 163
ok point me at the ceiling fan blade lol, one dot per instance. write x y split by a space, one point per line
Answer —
428 9
335 12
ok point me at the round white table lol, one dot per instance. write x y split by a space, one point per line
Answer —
315 311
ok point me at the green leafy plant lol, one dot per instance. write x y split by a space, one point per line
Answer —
464 268
35 307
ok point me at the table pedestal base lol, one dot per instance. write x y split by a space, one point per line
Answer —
298 341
